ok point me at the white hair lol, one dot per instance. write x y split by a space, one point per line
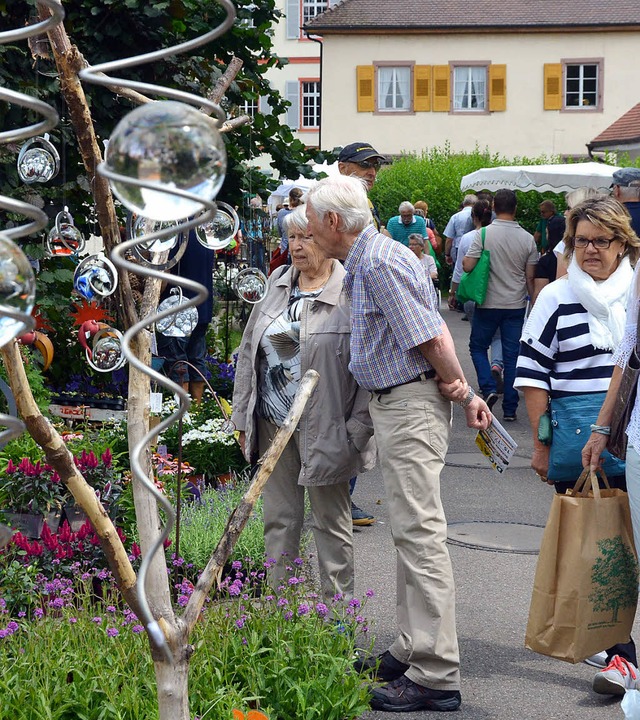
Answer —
296 220
469 200
347 197
406 205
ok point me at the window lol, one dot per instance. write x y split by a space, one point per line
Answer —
248 107
574 85
311 8
310 104
581 85
469 88
394 89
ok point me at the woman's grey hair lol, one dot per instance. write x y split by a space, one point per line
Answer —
406 205
608 215
344 195
417 238
575 197
296 220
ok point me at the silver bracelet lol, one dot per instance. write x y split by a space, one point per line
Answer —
467 401
601 429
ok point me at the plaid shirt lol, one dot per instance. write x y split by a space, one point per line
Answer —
393 310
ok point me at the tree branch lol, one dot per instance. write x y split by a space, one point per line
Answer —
220 88
238 518
235 122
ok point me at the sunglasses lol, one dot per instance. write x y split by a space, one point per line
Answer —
367 164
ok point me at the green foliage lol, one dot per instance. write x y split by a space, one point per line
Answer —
33 370
435 176
615 577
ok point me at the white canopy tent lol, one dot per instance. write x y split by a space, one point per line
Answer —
282 191
542 178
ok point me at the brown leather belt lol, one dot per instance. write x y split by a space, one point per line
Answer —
427 375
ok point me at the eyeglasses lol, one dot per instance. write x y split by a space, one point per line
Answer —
598 243
368 164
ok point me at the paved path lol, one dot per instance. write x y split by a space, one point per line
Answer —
500 678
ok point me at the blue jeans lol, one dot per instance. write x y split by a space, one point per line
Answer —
483 327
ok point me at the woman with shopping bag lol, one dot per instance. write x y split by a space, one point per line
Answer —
565 368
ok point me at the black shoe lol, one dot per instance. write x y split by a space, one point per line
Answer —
491 400
403 695
496 372
360 517
388 668
510 418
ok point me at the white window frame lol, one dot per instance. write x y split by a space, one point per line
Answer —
312 8
598 63
468 69
401 72
310 103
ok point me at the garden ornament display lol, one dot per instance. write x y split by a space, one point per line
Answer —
64 238
165 161
38 160
42 344
164 237
105 353
218 233
95 277
250 285
181 323
17 282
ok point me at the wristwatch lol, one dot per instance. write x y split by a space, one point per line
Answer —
467 401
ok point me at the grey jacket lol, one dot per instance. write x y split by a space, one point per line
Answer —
335 427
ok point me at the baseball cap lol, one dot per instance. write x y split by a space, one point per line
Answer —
625 176
359 151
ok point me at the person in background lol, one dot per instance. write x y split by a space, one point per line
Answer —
403 354
437 241
405 223
459 224
304 323
550 228
568 350
416 245
626 189
184 357
294 200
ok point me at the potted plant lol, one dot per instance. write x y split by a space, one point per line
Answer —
31 493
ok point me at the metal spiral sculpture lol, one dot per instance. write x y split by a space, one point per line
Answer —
17 283
146 142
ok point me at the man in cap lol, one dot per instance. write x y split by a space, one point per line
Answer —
361 160
626 189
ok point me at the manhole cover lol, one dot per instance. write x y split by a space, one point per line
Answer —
478 460
506 537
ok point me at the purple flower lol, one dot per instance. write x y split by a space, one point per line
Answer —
299 562
137 628
244 641
240 623
111 608
303 609
354 603
112 632
359 619
288 615
22 614
236 565
56 603
12 626
97 620
337 597
73 620
282 602
38 612
183 600
369 593
322 609
293 581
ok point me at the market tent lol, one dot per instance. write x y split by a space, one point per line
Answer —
543 178
282 191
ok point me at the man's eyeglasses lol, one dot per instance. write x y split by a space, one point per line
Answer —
367 164
598 243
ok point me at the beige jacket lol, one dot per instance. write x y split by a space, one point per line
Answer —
335 427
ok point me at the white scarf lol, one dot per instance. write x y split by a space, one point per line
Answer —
604 300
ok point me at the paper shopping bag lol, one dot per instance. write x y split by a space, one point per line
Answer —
586 583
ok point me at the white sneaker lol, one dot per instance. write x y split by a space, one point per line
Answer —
619 676
598 660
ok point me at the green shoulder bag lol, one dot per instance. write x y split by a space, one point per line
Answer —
473 285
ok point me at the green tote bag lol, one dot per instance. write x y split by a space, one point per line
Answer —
473 285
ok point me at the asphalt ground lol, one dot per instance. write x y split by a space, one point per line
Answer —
500 677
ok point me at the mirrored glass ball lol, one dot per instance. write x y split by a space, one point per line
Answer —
37 165
17 289
65 239
173 145
107 354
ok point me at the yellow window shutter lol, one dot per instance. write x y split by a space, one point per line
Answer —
553 86
422 88
441 88
497 88
366 96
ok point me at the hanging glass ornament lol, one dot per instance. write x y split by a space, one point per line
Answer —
183 322
250 285
95 277
173 145
105 353
218 233
147 252
38 160
64 238
17 290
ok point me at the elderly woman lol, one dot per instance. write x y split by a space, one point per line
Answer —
303 323
566 360
416 245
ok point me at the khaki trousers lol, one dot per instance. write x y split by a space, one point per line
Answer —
284 515
412 425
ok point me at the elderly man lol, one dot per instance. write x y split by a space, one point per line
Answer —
626 189
402 352
459 224
406 223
